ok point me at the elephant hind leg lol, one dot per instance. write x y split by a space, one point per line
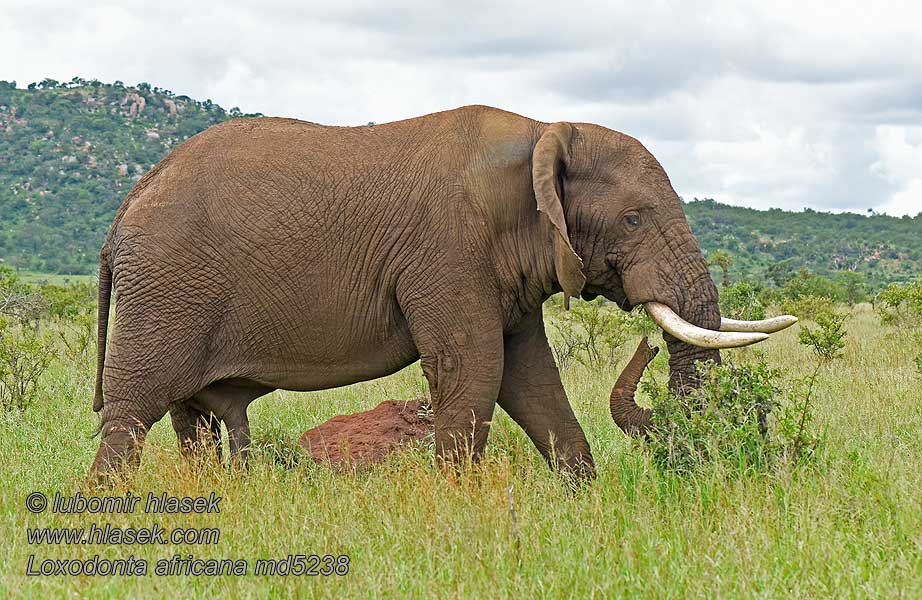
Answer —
125 425
139 386
198 432
238 435
228 400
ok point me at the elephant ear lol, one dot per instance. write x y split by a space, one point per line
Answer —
550 157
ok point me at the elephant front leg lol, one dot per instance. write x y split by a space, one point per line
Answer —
461 353
238 435
463 384
533 395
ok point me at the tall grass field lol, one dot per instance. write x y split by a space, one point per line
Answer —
846 522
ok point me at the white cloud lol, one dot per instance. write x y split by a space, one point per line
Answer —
765 104
900 162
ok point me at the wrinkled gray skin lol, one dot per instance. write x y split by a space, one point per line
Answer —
273 253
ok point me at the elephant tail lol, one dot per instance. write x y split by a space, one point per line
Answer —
102 322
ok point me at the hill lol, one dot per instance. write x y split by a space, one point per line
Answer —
767 244
70 152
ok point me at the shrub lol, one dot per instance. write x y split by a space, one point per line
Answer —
742 301
79 337
69 301
638 322
742 416
900 303
24 357
19 300
826 340
589 333
808 307
727 420
853 284
805 283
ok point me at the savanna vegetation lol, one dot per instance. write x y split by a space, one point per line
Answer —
794 471
773 244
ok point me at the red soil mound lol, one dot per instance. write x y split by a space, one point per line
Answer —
367 437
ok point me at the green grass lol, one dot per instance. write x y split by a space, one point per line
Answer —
849 524
34 277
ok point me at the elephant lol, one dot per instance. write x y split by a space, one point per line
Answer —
273 253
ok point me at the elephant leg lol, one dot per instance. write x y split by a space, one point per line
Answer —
125 423
238 435
461 353
196 430
533 395
228 400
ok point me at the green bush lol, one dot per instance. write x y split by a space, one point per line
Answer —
742 301
742 417
853 284
900 303
24 353
808 307
827 339
590 334
24 357
78 335
69 301
805 284
19 300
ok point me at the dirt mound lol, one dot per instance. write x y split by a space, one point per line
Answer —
367 437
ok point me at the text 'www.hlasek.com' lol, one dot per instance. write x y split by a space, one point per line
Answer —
105 534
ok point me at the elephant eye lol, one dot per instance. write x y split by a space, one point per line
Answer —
632 220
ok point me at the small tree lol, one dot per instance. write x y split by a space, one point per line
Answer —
742 301
781 272
590 334
723 261
900 303
853 283
24 357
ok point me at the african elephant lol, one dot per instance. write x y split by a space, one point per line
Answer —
273 253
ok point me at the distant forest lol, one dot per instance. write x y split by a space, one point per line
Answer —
767 244
70 152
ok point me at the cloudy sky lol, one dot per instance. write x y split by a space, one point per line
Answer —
771 104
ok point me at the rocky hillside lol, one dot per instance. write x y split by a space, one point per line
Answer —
68 155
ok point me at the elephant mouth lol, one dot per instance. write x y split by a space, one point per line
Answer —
618 297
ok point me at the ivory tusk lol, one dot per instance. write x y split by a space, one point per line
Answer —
672 323
765 325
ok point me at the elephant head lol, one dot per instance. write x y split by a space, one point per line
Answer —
620 232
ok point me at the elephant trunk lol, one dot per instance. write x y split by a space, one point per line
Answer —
632 419
700 308
697 320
